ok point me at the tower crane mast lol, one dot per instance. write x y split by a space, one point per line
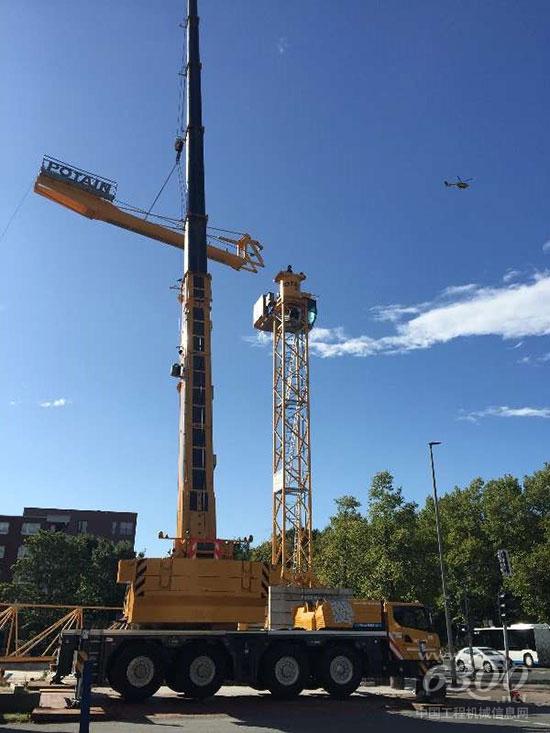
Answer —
289 315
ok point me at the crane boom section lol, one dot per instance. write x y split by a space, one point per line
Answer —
247 255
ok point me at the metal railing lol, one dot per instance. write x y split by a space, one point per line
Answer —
40 647
99 185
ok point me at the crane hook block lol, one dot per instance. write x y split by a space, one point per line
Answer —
176 371
178 147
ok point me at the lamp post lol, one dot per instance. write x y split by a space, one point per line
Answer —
442 567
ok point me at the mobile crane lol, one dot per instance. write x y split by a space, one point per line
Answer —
201 581
187 614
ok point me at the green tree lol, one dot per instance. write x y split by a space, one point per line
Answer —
537 495
530 582
392 557
506 519
261 552
341 554
66 570
468 552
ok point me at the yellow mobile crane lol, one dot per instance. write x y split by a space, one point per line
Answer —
183 610
201 581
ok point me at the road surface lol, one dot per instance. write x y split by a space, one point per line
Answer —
240 709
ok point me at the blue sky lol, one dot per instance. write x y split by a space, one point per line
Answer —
328 137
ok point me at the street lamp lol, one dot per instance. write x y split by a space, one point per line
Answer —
442 567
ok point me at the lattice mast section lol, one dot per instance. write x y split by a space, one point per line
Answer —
290 315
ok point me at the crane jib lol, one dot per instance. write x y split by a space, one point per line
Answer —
103 187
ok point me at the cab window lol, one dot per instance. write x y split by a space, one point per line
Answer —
413 617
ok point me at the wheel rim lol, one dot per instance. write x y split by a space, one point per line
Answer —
341 670
140 671
202 670
287 671
528 660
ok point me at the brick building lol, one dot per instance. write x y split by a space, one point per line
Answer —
115 526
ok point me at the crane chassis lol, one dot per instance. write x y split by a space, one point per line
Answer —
137 662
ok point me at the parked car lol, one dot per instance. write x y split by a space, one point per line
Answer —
485 658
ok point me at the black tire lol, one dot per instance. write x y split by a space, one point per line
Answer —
198 670
460 665
341 671
437 690
137 671
528 660
487 667
285 671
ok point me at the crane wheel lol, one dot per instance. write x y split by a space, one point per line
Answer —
136 671
341 671
285 670
198 670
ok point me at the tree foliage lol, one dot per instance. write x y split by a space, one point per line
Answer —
390 549
66 570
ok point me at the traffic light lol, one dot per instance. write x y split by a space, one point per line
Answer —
506 604
504 562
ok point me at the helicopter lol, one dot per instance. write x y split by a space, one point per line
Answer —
459 183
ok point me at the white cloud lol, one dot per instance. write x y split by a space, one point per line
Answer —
59 402
546 246
394 312
512 311
535 360
455 291
504 411
511 275
282 45
260 338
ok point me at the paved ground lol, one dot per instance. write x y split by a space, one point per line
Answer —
242 709
533 674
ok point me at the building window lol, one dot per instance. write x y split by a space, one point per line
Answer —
4 527
2 551
22 552
82 526
29 528
126 529
114 527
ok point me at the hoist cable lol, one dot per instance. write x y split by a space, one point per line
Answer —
16 211
182 85
227 231
126 206
168 177
180 129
